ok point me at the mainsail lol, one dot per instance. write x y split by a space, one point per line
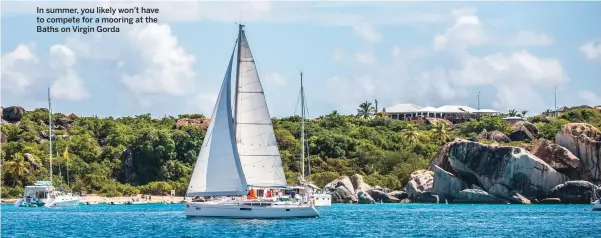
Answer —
218 171
257 145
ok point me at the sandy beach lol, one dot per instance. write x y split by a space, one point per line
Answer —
101 199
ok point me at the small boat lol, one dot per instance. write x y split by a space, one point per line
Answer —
137 202
90 203
43 194
240 153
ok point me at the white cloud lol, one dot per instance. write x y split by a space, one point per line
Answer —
590 98
24 73
531 38
367 32
448 73
592 49
365 57
68 85
15 66
339 55
395 51
466 31
168 68
277 79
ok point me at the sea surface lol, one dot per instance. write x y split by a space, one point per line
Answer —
377 220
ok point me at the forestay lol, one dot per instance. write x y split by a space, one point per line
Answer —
257 145
218 171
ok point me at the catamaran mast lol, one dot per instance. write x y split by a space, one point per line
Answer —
302 128
240 29
50 132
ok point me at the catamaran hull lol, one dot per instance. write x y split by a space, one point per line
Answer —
194 209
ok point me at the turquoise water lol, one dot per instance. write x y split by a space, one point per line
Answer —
377 220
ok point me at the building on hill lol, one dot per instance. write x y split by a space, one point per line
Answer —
453 113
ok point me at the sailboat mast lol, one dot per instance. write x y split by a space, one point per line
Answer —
240 29
302 127
50 132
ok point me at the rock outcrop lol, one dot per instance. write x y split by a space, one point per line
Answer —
556 156
503 192
477 196
574 192
441 159
400 195
420 181
584 141
380 196
13 114
495 136
341 190
364 198
359 184
197 122
513 167
446 185
29 158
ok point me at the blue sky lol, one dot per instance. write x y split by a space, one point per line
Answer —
427 53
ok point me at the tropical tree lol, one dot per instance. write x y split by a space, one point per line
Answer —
366 110
512 113
440 132
411 134
16 167
547 112
524 112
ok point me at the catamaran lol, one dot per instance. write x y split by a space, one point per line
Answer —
239 153
42 193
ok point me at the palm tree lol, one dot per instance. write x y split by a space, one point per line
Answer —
547 112
366 110
512 113
17 167
524 112
440 131
376 102
410 134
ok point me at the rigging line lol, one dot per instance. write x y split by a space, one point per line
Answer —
297 100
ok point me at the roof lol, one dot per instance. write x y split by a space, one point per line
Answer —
428 109
485 111
455 109
403 108
513 118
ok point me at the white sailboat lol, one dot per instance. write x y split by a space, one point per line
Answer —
43 193
318 196
240 151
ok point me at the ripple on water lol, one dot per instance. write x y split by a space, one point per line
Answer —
376 220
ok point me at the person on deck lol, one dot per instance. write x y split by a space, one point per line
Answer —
252 195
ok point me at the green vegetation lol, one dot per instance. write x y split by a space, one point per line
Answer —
139 154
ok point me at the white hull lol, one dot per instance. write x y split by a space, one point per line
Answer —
64 202
597 205
236 210
322 200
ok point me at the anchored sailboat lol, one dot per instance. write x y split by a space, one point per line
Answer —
43 193
240 152
318 196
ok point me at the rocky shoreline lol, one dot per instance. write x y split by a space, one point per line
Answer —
467 171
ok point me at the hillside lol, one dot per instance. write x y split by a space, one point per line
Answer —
129 155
